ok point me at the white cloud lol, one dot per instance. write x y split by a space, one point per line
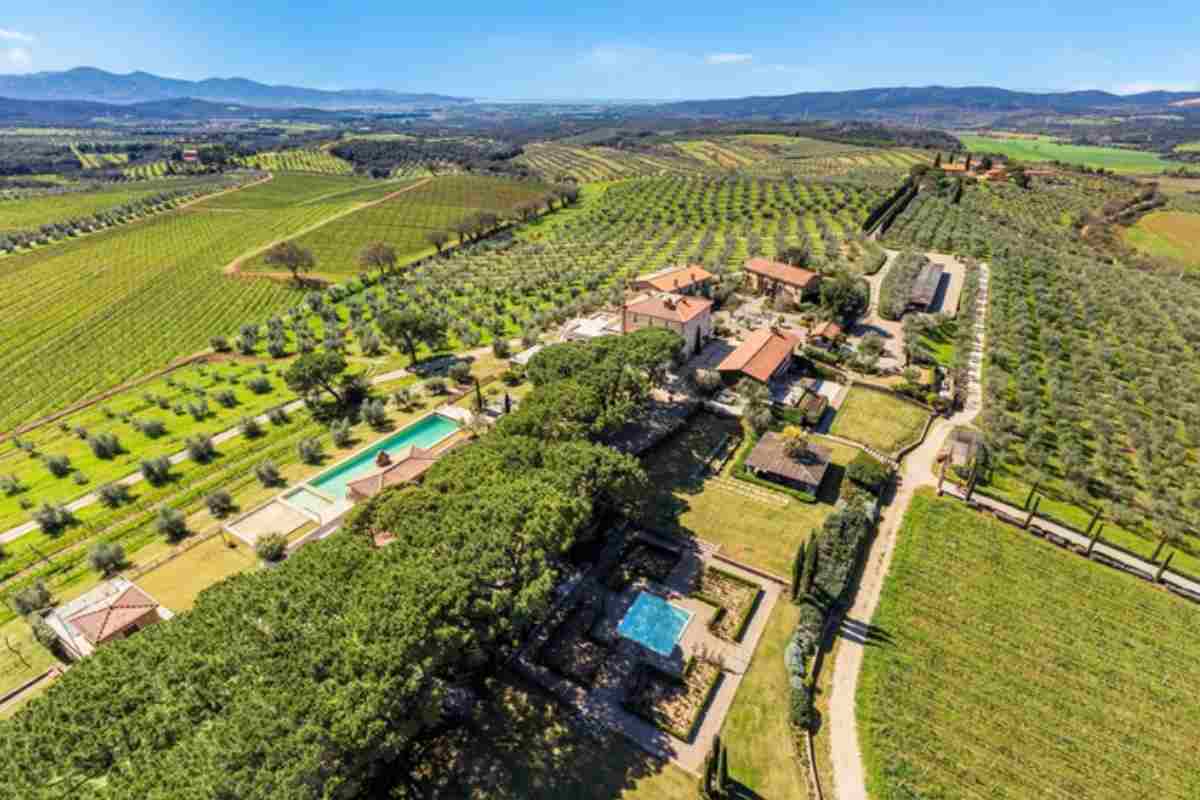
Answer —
619 56
19 58
1137 87
728 58
15 36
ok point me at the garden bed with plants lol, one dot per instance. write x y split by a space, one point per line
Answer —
674 703
735 599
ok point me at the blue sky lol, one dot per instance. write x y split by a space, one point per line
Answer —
664 50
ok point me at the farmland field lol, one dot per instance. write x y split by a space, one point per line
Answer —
407 219
1112 158
298 161
88 314
1006 668
33 212
1188 147
1168 234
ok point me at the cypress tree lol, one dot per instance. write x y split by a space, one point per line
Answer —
723 772
810 564
798 571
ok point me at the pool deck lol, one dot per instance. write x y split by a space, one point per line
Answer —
602 704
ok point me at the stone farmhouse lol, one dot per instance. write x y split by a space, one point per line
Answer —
766 354
690 317
689 280
772 278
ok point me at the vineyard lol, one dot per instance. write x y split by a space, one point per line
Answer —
1005 668
314 160
406 221
99 160
557 162
88 314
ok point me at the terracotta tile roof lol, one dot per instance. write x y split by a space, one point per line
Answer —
675 308
827 330
761 354
676 280
410 467
99 624
784 273
770 455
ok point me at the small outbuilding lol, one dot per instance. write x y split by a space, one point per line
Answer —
925 287
116 609
806 471
766 354
689 280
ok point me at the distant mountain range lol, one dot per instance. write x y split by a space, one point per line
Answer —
909 99
97 86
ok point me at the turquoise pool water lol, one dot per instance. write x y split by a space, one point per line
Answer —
422 433
309 501
654 623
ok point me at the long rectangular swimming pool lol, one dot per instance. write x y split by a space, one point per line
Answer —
422 433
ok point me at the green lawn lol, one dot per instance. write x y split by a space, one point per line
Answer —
878 419
758 731
726 511
1188 147
177 583
30 659
1004 667
1112 158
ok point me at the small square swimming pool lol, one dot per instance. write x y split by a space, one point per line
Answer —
654 623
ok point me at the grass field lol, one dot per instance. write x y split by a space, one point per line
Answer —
177 583
734 514
407 219
878 419
1174 235
1188 147
1112 158
1003 667
29 660
298 161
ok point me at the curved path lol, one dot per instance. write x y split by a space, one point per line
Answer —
918 469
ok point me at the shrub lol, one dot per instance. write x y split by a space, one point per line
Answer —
104 445
310 451
278 416
868 472
226 398
436 386
268 474
152 428
500 348
53 518
250 427
32 598
107 558
81 432
219 503
201 449
375 413
402 399
198 409
80 479
258 384
44 634
341 433
219 343
171 523
113 494
707 381
272 547
59 466
10 485
156 470
460 372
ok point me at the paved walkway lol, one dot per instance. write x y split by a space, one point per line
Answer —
918 469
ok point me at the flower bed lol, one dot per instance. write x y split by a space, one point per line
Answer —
672 703
572 653
735 599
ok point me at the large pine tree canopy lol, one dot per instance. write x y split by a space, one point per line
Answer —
317 679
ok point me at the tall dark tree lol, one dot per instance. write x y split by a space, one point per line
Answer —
313 373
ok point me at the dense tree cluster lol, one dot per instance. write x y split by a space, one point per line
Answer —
325 677
476 155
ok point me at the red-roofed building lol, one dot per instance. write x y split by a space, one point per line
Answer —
114 610
409 467
826 334
690 317
772 277
689 280
767 353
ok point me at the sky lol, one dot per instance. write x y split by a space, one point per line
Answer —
589 50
